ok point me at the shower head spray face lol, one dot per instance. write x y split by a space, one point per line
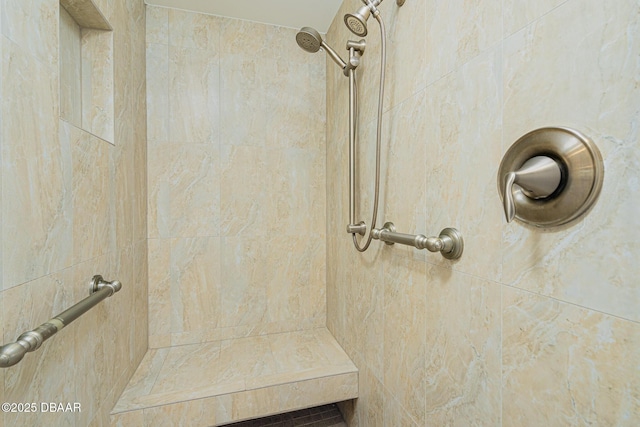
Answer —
309 39
357 22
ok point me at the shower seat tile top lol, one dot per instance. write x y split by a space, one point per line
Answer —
295 369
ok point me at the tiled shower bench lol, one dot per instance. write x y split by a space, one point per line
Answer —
222 382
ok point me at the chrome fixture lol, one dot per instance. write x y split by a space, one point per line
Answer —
550 177
10 354
449 243
357 21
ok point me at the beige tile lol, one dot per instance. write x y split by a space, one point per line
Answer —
194 96
194 30
30 380
194 291
458 31
405 350
93 232
157 24
463 350
96 357
70 70
36 171
395 414
462 162
125 419
184 199
140 332
564 364
34 27
542 90
157 82
244 195
159 297
98 84
201 412
518 13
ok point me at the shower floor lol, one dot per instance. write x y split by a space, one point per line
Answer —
322 416
223 382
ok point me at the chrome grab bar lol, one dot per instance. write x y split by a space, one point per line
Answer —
449 243
12 353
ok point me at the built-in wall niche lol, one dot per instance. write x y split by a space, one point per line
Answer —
86 68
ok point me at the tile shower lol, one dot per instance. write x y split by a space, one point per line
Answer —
529 328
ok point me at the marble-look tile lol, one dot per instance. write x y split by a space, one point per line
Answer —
519 13
140 331
296 289
33 25
157 81
143 380
87 13
463 120
93 221
194 96
566 365
458 31
30 379
463 349
546 90
199 412
159 297
243 295
95 335
157 24
195 284
395 414
370 405
244 85
405 349
194 30
70 70
126 419
98 84
243 192
36 171
184 196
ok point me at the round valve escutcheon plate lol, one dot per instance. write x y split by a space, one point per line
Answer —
582 171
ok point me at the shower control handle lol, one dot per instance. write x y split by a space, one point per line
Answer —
539 177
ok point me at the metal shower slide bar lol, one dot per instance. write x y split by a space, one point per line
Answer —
12 353
449 243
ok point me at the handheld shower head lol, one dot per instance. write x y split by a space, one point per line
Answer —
357 22
311 41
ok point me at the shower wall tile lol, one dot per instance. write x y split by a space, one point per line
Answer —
546 90
240 165
194 95
33 26
97 83
243 93
462 161
529 327
405 350
519 13
37 223
183 197
30 380
66 188
463 349
243 191
194 30
70 70
587 361
458 31
157 80
157 26
93 226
